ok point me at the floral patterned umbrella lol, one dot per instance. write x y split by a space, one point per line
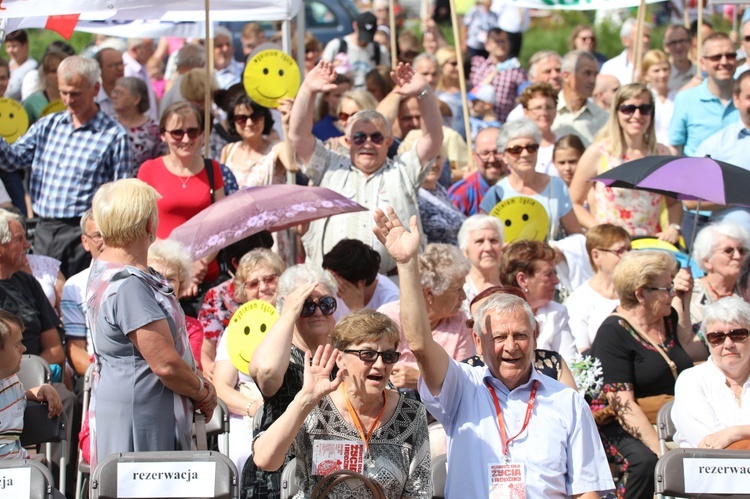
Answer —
250 210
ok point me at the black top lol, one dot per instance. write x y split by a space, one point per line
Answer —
631 363
23 296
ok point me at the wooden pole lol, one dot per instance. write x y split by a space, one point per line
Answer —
209 70
699 46
641 20
462 80
686 15
392 21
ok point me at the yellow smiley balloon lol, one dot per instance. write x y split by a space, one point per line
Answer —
271 75
247 328
522 218
56 106
13 120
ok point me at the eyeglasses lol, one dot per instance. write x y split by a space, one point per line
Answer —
628 109
517 150
489 155
669 289
729 251
241 119
541 108
344 117
746 38
618 252
731 56
389 356
736 335
178 134
677 42
96 236
360 138
327 306
267 280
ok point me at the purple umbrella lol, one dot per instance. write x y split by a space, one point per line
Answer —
250 210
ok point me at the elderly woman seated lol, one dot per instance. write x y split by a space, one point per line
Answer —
443 271
718 250
709 408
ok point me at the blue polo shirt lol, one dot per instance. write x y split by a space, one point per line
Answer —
730 144
697 115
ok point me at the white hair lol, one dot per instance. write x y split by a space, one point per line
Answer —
706 240
502 303
299 275
512 130
6 217
729 310
478 222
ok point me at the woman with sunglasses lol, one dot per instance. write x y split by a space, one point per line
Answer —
384 428
709 409
306 298
642 349
519 141
628 135
181 179
350 104
719 250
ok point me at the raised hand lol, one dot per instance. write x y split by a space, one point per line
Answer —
317 380
293 301
285 109
683 283
321 78
410 83
402 244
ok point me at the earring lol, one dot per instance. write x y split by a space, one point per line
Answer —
151 238
525 290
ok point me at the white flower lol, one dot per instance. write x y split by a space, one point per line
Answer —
587 372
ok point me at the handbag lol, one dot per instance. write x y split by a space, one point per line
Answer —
327 483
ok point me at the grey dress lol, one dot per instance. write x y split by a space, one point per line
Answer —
130 406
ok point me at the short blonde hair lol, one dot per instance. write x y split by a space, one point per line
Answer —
652 58
247 264
364 325
640 269
172 254
123 209
362 98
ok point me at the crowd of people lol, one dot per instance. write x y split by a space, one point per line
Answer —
446 318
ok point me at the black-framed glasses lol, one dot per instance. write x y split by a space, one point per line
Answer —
268 280
746 38
388 356
729 251
241 119
179 133
669 289
96 236
327 306
731 56
736 335
674 43
517 150
618 252
359 138
489 155
628 109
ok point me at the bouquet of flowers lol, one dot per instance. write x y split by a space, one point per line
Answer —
587 372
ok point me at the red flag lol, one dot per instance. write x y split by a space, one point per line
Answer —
64 25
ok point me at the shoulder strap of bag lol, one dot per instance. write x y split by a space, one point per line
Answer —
343 46
670 362
377 52
209 167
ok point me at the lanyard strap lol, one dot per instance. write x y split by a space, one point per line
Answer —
529 409
358 422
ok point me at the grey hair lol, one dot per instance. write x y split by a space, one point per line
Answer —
572 60
87 215
135 42
6 217
75 66
190 55
706 240
730 310
424 56
368 116
249 262
299 275
627 27
222 31
172 254
478 222
503 303
540 56
512 130
137 88
440 265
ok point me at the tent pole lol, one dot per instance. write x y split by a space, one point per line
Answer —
286 36
301 28
209 66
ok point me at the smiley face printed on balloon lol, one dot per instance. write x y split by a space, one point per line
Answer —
522 218
271 75
247 328
13 120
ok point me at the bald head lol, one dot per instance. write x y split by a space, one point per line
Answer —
604 91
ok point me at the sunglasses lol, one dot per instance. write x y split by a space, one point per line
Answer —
588 38
618 252
241 119
389 356
746 38
736 335
677 42
344 117
327 306
628 109
729 251
517 150
731 56
178 134
360 138
267 280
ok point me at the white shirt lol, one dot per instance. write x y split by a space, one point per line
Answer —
16 78
516 114
361 59
561 450
704 404
620 68
105 103
73 308
231 74
587 310
663 115
554 331
386 291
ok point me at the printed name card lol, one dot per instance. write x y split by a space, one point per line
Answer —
15 483
717 476
334 455
178 479
506 481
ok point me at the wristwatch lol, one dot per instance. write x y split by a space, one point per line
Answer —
676 227
424 92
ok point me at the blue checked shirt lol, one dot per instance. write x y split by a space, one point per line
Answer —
67 164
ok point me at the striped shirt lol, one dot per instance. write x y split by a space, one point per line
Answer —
69 164
12 407
505 83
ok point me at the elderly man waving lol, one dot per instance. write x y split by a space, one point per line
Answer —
512 432
366 175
